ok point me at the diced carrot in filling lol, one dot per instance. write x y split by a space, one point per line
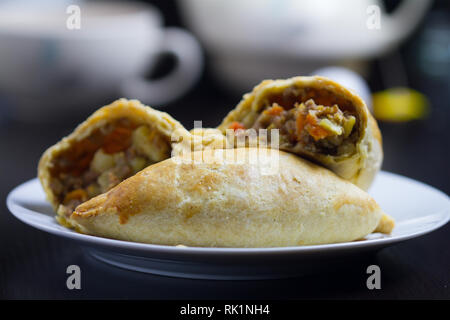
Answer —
117 140
300 122
275 110
314 129
236 126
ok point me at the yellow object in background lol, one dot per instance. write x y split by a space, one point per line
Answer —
399 104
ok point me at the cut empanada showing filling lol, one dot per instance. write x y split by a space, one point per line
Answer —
99 162
310 121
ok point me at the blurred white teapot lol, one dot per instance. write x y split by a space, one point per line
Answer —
254 39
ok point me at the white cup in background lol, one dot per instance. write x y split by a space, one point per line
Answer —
48 71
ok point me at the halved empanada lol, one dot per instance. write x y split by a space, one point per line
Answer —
114 143
317 118
232 198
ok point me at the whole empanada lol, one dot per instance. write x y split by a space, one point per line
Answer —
232 198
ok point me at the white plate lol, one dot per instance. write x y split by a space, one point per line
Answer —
416 207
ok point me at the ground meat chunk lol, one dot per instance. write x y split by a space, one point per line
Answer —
312 127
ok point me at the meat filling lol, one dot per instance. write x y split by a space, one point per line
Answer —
309 127
103 160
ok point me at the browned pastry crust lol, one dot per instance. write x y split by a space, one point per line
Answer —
227 203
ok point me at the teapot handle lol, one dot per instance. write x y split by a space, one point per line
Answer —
406 17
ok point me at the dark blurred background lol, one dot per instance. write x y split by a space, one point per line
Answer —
404 77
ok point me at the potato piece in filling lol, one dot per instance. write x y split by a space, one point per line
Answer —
104 159
307 126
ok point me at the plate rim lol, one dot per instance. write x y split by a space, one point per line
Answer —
14 207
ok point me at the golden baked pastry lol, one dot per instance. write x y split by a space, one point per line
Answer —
227 199
318 119
114 143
